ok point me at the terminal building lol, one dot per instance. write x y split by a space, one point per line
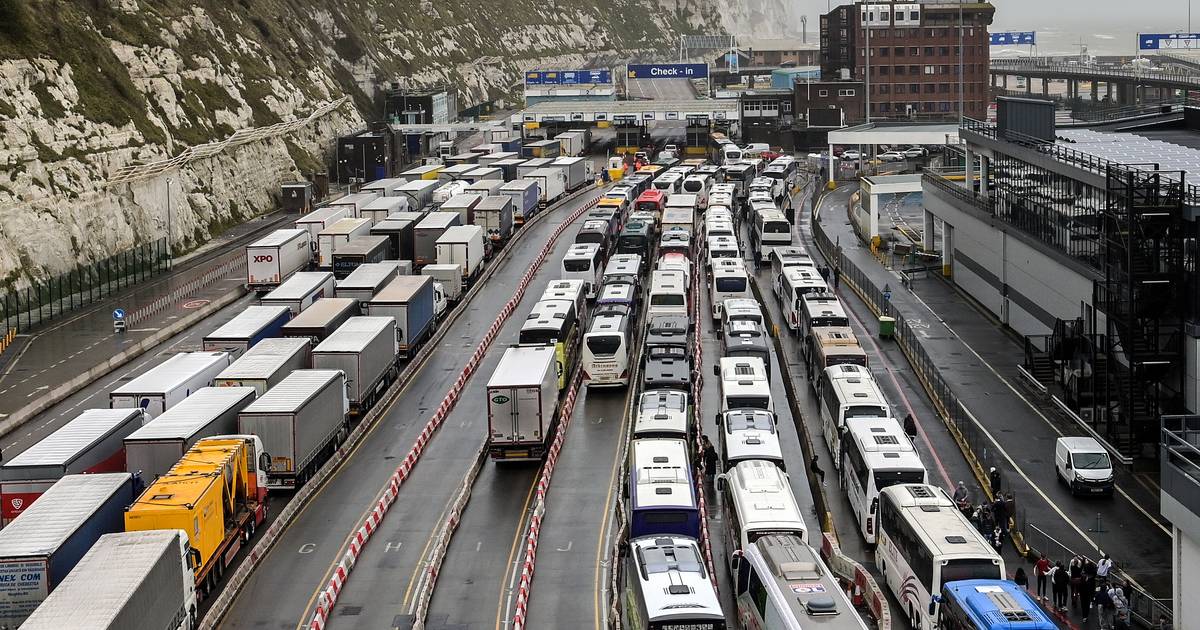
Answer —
1084 241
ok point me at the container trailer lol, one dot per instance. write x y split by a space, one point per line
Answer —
319 219
380 208
427 232
399 233
251 326
153 449
322 318
275 257
359 251
408 299
448 278
301 290
269 362
495 215
464 204
462 245
525 196
300 421
354 202
171 381
336 235
552 184
522 403
419 192
364 349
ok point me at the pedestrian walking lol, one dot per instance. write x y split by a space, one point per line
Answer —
910 427
1021 578
961 498
824 271
1060 580
987 519
1104 608
1076 571
1102 569
997 539
1000 513
815 467
709 452
837 277
1120 605
994 477
1041 569
1087 592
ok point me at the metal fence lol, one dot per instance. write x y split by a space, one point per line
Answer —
23 309
966 430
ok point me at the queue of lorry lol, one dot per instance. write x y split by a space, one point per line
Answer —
153 498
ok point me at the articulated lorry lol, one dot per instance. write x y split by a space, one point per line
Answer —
217 493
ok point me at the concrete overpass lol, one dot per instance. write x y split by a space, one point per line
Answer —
1121 85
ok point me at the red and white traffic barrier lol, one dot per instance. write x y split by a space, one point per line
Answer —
539 510
189 287
697 388
329 595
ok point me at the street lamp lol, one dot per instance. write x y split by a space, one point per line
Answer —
169 249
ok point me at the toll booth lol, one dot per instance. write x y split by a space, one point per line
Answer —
699 130
630 134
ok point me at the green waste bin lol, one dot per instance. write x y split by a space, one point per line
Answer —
887 327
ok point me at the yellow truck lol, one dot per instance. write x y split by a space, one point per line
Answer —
217 493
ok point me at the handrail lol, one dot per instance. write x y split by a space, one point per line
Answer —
1000 66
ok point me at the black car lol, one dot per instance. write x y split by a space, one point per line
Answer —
667 367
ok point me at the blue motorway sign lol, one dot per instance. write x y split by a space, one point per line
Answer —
119 313
668 71
1168 41
1013 38
567 77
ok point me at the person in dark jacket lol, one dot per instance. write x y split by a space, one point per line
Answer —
709 453
994 477
1000 512
1087 590
1076 571
1021 578
910 427
815 467
1059 581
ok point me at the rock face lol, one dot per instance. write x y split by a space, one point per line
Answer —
766 19
91 87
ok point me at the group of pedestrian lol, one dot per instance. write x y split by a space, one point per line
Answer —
990 517
1087 586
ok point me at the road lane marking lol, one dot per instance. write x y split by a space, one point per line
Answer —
603 541
507 589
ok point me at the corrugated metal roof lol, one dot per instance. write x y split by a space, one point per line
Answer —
355 334
72 438
264 358
292 392
172 372
43 526
103 580
248 323
192 414
278 237
369 275
299 285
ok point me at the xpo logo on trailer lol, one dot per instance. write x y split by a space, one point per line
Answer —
668 71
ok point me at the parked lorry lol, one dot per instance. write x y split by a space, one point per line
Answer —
449 278
427 232
153 449
427 172
532 165
380 208
322 318
483 173
364 348
92 442
491 158
269 362
485 187
216 493
354 202
340 233
275 257
127 581
464 204
509 167
495 215
301 421
525 196
419 192
385 187
552 184
573 143
249 327
399 233
577 172
542 149
41 547
359 251
168 383
454 173
409 299
301 290
317 220
462 245
522 400
367 280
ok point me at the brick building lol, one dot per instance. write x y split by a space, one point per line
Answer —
914 55
820 106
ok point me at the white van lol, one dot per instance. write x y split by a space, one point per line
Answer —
668 294
1084 465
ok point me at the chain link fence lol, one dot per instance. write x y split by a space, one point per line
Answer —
49 299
